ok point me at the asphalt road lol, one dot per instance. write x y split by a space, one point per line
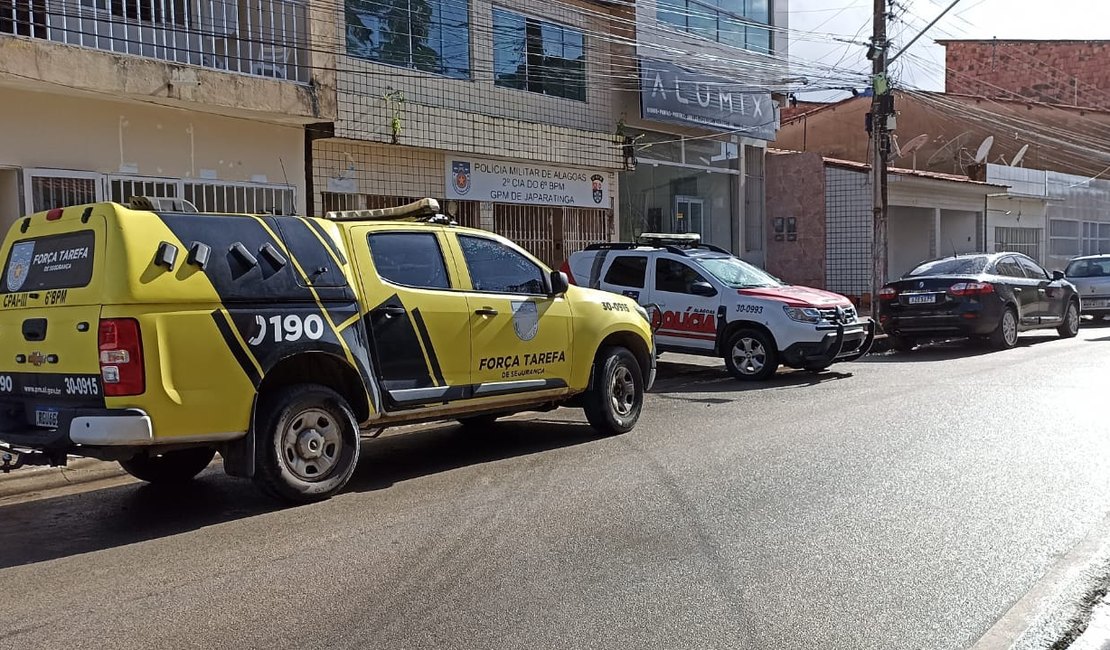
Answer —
903 501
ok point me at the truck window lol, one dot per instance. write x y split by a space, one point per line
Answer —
52 262
627 271
497 268
674 277
409 258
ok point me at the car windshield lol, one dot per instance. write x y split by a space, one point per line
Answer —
1089 268
952 266
738 274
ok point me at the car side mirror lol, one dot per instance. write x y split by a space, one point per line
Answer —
559 283
1058 275
702 288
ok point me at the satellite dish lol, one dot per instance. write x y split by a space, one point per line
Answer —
984 149
1020 154
913 145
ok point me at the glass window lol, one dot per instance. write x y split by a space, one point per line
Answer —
1008 267
627 271
429 35
675 277
412 259
496 267
1097 268
537 56
952 266
1031 269
725 21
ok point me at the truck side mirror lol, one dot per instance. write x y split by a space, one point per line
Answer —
559 283
701 288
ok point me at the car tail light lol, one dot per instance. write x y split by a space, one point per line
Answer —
565 268
121 357
54 215
971 289
888 293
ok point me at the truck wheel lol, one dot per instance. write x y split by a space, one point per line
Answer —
750 355
614 403
1005 335
168 468
1070 327
307 443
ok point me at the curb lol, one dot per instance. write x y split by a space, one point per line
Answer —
78 471
881 344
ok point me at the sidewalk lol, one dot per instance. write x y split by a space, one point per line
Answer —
1097 634
38 479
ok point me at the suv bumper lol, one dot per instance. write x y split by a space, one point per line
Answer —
838 343
91 427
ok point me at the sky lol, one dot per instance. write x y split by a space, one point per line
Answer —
923 65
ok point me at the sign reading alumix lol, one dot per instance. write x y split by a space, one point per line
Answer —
477 179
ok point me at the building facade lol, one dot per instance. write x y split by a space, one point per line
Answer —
1068 72
700 130
205 101
501 110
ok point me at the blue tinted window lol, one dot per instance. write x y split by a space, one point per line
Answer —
429 35
732 22
411 259
541 57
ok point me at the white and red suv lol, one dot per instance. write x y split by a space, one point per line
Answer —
705 301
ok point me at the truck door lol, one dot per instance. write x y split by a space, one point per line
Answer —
626 275
683 306
520 334
417 318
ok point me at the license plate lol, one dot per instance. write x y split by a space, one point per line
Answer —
923 299
1095 304
46 418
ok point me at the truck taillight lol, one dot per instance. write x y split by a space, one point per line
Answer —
888 293
971 289
121 357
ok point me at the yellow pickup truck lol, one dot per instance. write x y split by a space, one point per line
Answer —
156 336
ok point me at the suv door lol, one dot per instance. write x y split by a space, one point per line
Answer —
625 274
1050 298
520 335
418 322
1025 290
683 318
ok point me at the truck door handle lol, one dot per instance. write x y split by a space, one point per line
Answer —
392 310
486 311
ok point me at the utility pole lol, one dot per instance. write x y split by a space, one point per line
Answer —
882 106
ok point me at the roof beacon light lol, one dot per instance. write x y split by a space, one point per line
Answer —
669 239
422 209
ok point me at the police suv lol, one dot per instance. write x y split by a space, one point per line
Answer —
705 301
157 337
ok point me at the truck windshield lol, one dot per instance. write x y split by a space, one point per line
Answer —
738 274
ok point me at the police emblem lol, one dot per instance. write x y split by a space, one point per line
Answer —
19 264
460 171
526 320
597 181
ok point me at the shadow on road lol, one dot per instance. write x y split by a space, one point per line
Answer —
947 350
676 379
64 526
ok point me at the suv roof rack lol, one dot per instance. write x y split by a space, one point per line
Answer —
426 209
675 243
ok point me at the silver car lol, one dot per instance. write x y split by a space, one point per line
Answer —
1091 277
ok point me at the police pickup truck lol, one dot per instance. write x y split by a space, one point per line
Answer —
705 301
157 337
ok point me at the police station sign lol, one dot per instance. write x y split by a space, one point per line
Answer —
477 179
669 93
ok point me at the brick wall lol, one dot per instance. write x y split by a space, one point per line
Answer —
795 189
1075 73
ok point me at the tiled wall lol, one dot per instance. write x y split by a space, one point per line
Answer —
849 231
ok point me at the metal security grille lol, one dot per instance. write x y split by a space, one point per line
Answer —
234 197
553 233
121 190
1018 240
49 192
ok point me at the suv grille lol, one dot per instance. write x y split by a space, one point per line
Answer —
846 315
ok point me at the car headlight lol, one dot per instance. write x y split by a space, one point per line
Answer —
802 314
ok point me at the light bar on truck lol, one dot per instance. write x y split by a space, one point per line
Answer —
669 239
422 209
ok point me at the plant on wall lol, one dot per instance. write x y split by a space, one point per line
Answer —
395 100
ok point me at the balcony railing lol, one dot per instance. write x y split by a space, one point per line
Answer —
264 38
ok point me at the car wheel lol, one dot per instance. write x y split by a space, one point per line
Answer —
168 468
1070 327
614 403
307 443
1005 335
902 343
750 355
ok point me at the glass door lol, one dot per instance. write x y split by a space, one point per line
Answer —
689 215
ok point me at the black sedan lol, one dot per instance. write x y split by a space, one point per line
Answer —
991 296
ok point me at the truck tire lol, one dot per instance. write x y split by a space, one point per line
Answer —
614 403
307 443
169 468
751 355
